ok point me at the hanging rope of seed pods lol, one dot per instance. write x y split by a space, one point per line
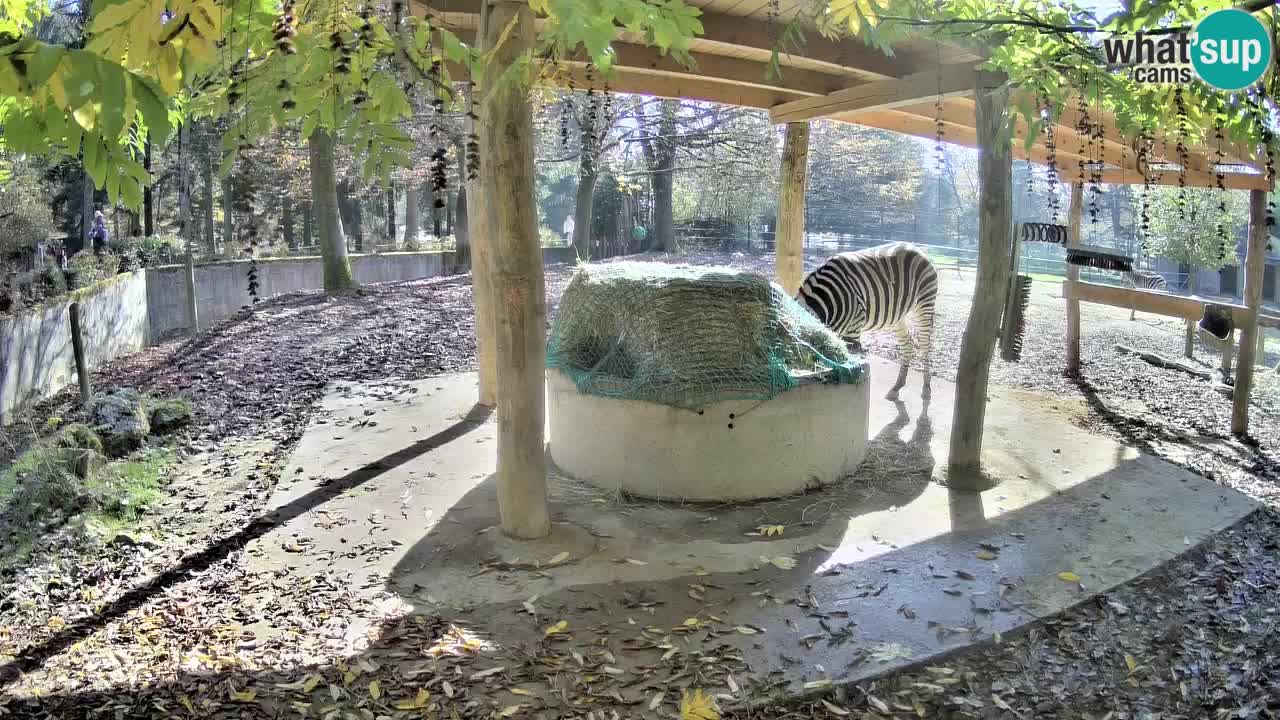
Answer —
1095 161
940 152
1145 142
1181 148
1220 227
1051 145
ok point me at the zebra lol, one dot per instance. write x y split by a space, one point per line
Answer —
875 289
1147 281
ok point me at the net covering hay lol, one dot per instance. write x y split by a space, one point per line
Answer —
690 336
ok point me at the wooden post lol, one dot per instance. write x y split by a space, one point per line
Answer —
1074 215
506 148
77 348
789 236
1254 264
995 221
480 239
1228 350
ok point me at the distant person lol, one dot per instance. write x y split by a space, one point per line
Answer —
98 235
568 229
638 234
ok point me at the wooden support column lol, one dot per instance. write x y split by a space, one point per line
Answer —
1074 215
506 151
789 237
1254 263
995 226
480 240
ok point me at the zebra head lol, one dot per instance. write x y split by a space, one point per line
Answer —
834 305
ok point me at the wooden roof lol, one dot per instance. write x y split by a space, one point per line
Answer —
848 81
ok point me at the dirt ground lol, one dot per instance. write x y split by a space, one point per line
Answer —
157 627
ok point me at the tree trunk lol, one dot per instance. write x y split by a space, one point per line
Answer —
228 213
307 240
391 214
582 212
1255 260
480 246
148 204
86 211
324 199
412 225
789 228
1075 216
286 222
186 228
461 234
507 165
995 168
664 228
206 204
437 226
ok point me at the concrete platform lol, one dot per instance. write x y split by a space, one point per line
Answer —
803 439
391 489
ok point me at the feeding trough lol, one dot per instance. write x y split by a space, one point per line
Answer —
699 384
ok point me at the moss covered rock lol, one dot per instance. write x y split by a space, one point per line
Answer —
168 414
120 421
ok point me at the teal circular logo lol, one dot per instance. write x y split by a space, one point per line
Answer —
1230 49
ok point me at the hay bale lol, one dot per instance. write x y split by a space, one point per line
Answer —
690 336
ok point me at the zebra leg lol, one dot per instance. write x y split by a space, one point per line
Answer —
924 343
906 350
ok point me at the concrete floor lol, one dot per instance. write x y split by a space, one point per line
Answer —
391 489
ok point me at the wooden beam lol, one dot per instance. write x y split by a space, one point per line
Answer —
737 71
1254 264
519 291
1158 303
995 226
910 90
789 228
1075 214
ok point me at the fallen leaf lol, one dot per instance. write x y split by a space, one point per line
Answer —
520 691
375 689
698 706
878 704
510 710
986 555
835 709
744 630
558 559
418 702
815 684
57 622
1131 662
1068 576
771 530
782 563
633 561
657 699
244 695
556 629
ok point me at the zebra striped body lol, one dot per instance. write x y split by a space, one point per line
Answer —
889 286
1147 281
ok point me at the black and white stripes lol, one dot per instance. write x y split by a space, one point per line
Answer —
889 286
1147 281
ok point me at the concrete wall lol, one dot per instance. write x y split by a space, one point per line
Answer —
36 360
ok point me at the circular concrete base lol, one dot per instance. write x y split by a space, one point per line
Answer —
564 544
735 450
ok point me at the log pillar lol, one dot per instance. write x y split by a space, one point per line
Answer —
995 226
506 151
1075 213
789 233
480 241
1254 263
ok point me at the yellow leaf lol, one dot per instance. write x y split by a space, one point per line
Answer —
57 622
558 559
698 706
557 628
771 530
1068 576
417 703
986 555
244 696
743 629
375 689
312 681
783 563
815 684
510 710
1131 663
519 691
186 703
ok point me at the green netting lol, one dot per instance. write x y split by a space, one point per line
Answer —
690 336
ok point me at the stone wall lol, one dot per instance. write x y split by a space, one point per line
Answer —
36 359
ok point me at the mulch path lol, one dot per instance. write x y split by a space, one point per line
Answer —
1194 639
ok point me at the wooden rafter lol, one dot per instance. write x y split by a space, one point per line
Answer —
884 94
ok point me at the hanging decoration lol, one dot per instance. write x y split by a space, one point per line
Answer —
1052 180
1184 159
940 132
1220 227
1145 142
1096 141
